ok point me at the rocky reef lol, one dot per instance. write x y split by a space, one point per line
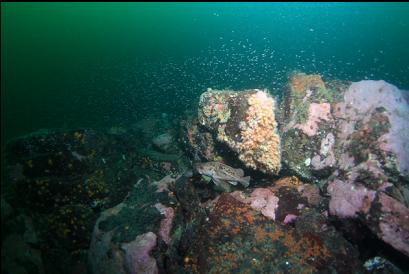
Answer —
348 139
355 140
329 191
61 181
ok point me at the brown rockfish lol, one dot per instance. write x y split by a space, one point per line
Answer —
221 173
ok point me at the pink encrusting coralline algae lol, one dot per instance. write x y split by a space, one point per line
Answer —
347 200
394 224
166 223
290 218
137 254
264 200
317 112
364 98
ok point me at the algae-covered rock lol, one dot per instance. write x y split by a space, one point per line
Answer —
238 239
354 137
200 143
125 235
19 248
64 179
308 127
372 167
245 122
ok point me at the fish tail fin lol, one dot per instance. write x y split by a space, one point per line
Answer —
245 181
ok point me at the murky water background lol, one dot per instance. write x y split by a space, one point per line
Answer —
93 65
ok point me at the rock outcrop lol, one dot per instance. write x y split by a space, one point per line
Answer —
245 122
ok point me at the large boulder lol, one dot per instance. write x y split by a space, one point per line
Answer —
372 179
384 215
354 138
245 122
373 135
307 127
125 236
356 131
269 230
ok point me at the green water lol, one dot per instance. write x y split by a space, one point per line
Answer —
103 64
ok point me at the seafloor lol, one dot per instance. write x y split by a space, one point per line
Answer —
329 189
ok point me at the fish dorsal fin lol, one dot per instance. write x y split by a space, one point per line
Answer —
240 172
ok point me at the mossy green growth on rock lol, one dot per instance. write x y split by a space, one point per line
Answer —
324 95
327 95
138 216
371 131
177 234
303 112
